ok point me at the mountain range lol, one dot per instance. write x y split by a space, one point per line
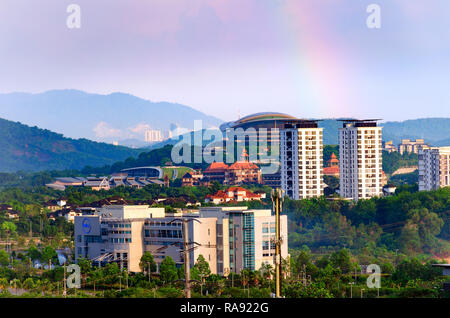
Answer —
69 119
106 118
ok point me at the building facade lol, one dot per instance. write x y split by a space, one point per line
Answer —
360 166
434 168
412 146
302 160
229 238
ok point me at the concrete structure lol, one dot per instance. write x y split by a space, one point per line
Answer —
434 168
302 160
230 238
360 159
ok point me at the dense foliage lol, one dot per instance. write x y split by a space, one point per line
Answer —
412 222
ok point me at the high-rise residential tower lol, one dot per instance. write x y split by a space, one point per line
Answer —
360 153
434 168
301 158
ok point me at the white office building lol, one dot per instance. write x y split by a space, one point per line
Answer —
301 157
229 238
434 168
360 165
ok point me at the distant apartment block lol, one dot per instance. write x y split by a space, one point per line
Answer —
230 238
360 159
302 160
412 146
434 168
153 135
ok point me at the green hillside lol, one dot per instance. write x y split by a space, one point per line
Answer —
33 149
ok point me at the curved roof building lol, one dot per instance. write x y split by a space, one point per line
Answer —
266 119
271 121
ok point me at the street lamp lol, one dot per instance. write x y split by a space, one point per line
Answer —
351 289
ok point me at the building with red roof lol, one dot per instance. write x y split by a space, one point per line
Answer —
332 168
234 194
240 172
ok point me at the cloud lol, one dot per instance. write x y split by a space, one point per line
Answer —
139 128
104 130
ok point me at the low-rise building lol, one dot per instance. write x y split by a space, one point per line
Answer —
234 194
193 178
97 184
389 146
62 183
412 146
230 238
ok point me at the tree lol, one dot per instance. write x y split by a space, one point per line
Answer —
85 265
4 258
48 254
342 260
266 271
201 268
9 227
147 264
95 276
168 270
34 253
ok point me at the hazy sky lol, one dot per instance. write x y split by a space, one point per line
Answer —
308 58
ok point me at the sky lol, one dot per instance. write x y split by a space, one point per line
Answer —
230 58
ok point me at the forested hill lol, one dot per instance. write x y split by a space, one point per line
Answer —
34 149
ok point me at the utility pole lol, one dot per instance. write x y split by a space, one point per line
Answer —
186 252
187 269
64 282
120 283
277 199
362 290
